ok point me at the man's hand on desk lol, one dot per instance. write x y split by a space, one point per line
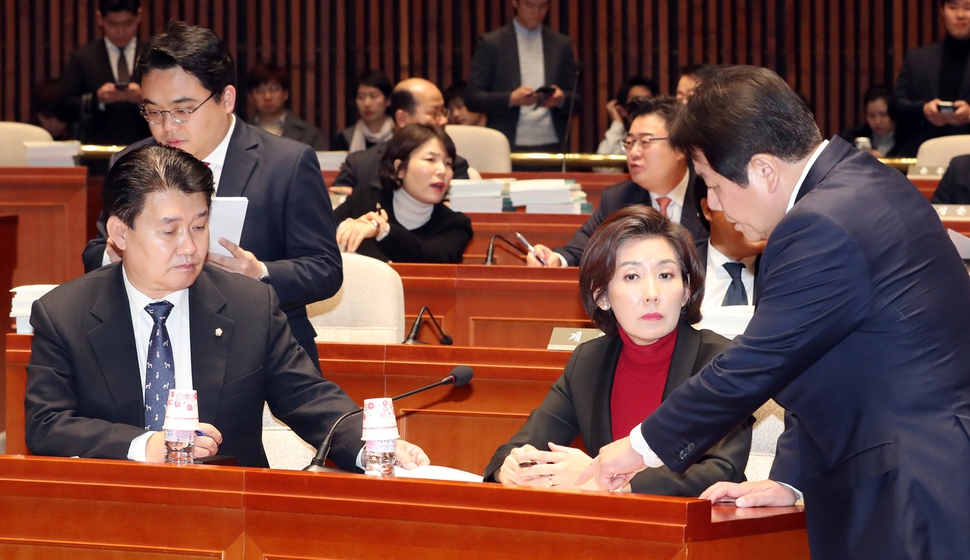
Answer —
544 253
205 446
411 456
614 466
242 261
751 494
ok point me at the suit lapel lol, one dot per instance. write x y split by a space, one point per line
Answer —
104 62
602 421
830 156
682 361
211 334
240 161
549 63
113 342
510 56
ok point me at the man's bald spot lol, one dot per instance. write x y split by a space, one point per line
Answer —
416 86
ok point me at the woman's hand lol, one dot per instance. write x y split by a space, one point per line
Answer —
557 468
352 232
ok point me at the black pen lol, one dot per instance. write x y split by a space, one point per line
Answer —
530 247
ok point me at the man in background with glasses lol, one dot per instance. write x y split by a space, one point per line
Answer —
660 177
288 238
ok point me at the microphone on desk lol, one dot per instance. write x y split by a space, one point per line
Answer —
489 255
412 337
459 376
569 116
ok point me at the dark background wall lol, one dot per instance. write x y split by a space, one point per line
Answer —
828 50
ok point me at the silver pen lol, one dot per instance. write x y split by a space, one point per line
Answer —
529 247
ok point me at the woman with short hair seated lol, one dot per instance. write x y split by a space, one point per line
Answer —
642 283
404 219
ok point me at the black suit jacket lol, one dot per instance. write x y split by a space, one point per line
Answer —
85 397
626 194
919 82
579 404
360 168
289 223
495 73
860 333
442 240
954 187
88 69
298 129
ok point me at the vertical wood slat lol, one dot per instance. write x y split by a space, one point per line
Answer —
829 50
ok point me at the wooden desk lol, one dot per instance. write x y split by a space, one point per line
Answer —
8 240
926 185
494 306
51 203
507 385
551 230
80 509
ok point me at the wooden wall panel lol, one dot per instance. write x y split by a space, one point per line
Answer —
830 51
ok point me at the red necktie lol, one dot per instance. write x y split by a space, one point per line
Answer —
663 201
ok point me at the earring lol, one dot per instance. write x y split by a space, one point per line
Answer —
604 305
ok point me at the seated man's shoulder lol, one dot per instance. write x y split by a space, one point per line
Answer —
282 148
237 284
367 157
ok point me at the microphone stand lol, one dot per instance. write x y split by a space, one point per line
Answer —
412 337
489 256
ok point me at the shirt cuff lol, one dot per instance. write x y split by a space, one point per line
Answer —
137 451
360 459
799 497
640 446
105 259
562 259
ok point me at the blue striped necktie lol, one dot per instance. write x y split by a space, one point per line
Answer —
160 371
736 294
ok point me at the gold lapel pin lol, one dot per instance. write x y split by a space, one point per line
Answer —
218 332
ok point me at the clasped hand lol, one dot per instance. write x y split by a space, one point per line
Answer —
557 468
352 232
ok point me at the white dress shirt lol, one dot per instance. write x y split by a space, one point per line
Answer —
217 159
177 325
114 53
675 208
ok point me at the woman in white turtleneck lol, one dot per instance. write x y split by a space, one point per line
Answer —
403 219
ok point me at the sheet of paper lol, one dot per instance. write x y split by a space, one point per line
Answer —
962 243
228 215
435 472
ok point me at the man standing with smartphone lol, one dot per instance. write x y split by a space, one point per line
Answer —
100 92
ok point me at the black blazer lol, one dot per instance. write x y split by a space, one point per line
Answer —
919 82
860 334
626 194
298 129
442 240
495 73
86 71
954 187
84 394
289 223
579 404
360 168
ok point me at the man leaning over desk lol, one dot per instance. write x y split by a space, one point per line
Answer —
117 338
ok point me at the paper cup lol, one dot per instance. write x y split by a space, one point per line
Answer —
379 420
182 410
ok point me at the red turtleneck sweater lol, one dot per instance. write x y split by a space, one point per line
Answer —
638 384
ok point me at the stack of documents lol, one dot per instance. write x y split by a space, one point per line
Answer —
477 195
52 154
331 161
578 205
548 196
23 299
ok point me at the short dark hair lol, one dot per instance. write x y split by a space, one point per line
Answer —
624 92
874 93
664 106
699 71
108 6
456 91
376 79
598 264
403 144
266 72
402 100
196 50
150 169
742 111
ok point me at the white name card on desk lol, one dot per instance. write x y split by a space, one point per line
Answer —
565 338
226 220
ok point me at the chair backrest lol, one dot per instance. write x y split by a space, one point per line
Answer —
769 424
935 154
369 307
486 150
12 138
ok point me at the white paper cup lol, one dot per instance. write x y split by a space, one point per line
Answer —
182 410
379 420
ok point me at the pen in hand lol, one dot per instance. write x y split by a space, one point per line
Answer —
530 247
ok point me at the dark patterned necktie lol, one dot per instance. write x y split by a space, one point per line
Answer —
736 294
160 371
124 75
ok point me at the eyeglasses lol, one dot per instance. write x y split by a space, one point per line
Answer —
644 142
180 116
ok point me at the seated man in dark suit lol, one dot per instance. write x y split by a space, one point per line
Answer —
179 323
731 261
288 238
414 100
954 187
660 177
269 90
99 87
